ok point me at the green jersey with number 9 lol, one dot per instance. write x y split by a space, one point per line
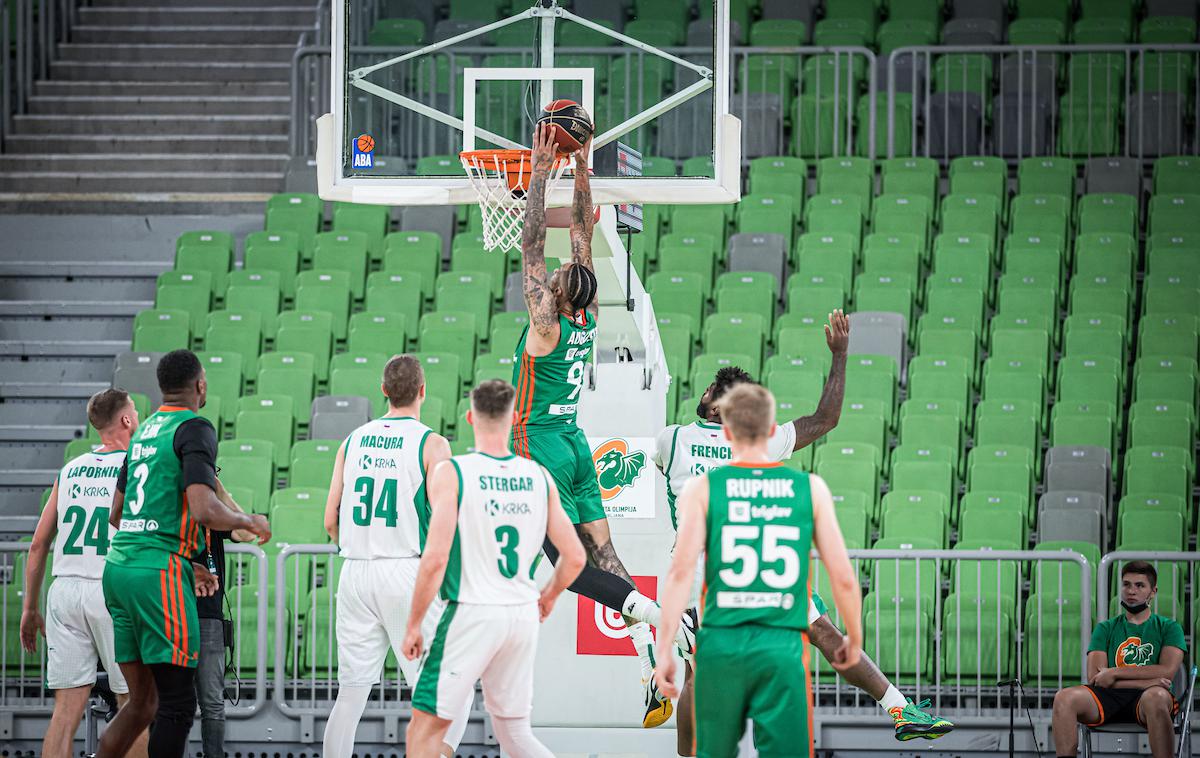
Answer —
85 492
760 527
548 386
155 521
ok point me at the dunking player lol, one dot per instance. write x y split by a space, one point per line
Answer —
549 368
684 451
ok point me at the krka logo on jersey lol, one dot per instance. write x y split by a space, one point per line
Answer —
620 466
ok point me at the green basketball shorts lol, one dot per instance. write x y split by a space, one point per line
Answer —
758 673
153 613
568 458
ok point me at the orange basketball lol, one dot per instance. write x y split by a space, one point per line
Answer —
572 126
366 143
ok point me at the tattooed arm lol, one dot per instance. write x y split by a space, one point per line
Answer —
543 311
583 218
809 429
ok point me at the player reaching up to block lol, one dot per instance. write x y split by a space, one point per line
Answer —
549 368
682 451
74 524
756 523
377 513
491 512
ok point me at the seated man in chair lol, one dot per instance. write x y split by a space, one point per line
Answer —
1131 661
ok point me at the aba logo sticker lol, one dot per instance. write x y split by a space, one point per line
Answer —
616 467
364 152
1134 652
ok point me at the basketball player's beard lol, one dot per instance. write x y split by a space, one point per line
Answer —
702 409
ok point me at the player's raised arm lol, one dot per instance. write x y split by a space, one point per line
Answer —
571 558
539 298
443 519
35 572
692 508
582 217
847 595
809 429
333 501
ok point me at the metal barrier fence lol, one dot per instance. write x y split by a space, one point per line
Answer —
827 94
1129 100
24 674
955 649
1173 581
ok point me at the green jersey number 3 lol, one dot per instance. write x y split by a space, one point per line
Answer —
751 553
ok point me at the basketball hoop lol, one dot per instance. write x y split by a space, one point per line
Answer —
501 178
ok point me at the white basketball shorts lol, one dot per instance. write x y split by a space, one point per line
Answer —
374 598
79 634
492 643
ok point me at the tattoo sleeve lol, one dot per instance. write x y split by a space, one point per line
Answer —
538 298
809 429
603 556
583 221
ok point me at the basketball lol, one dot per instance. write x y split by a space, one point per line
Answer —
366 143
572 126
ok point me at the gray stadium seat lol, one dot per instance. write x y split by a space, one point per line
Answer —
972 31
990 10
135 372
1071 525
1184 8
422 9
301 175
1028 73
335 416
759 252
1113 175
700 32
798 9
1066 500
686 130
761 114
1085 477
514 294
449 27
955 125
1155 123
873 333
1021 125
601 10
1079 454
430 219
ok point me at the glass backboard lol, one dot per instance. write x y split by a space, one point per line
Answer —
414 84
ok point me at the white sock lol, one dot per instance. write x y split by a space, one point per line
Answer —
892 699
516 738
343 721
642 608
643 641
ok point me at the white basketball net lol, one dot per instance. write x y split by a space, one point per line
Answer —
493 174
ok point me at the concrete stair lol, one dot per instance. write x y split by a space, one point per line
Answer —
175 106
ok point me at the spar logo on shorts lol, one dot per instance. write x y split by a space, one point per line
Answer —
600 630
616 467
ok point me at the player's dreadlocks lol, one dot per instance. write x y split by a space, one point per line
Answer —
580 286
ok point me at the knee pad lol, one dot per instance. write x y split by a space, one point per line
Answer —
176 692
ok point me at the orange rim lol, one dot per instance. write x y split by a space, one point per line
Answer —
518 164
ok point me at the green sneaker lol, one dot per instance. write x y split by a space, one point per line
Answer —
912 722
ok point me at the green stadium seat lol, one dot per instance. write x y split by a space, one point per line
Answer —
223 373
307 332
767 214
748 292
343 251
997 582
467 291
826 255
417 252
1006 422
241 470
507 329
914 521
270 418
1176 174
897 214
370 220
312 463
298 213
889 620
929 430
733 333
1144 503
329 291
911 176
963 72
468 254
706 365
678 293
836 214
396 32
939 378
1001 469
1036 31
868 427
1040 214
452 332
360 374
206 251
1082 429
161 330
695 220
378 331
1053 650
1169 293
1172 214
900 32
691 255
1088 128
964 254
1014 380
235 332
443 377
936 476
924 500
275 251
893 253
258 292
1108 214
396 292
493 366
892 293
1164 529
845 476
187 291
1014 504
977 638
290 374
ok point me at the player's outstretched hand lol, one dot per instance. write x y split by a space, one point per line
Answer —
544 148
260 528
664 676
31 625
846 656
837 332
581 156
205 582
413 644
